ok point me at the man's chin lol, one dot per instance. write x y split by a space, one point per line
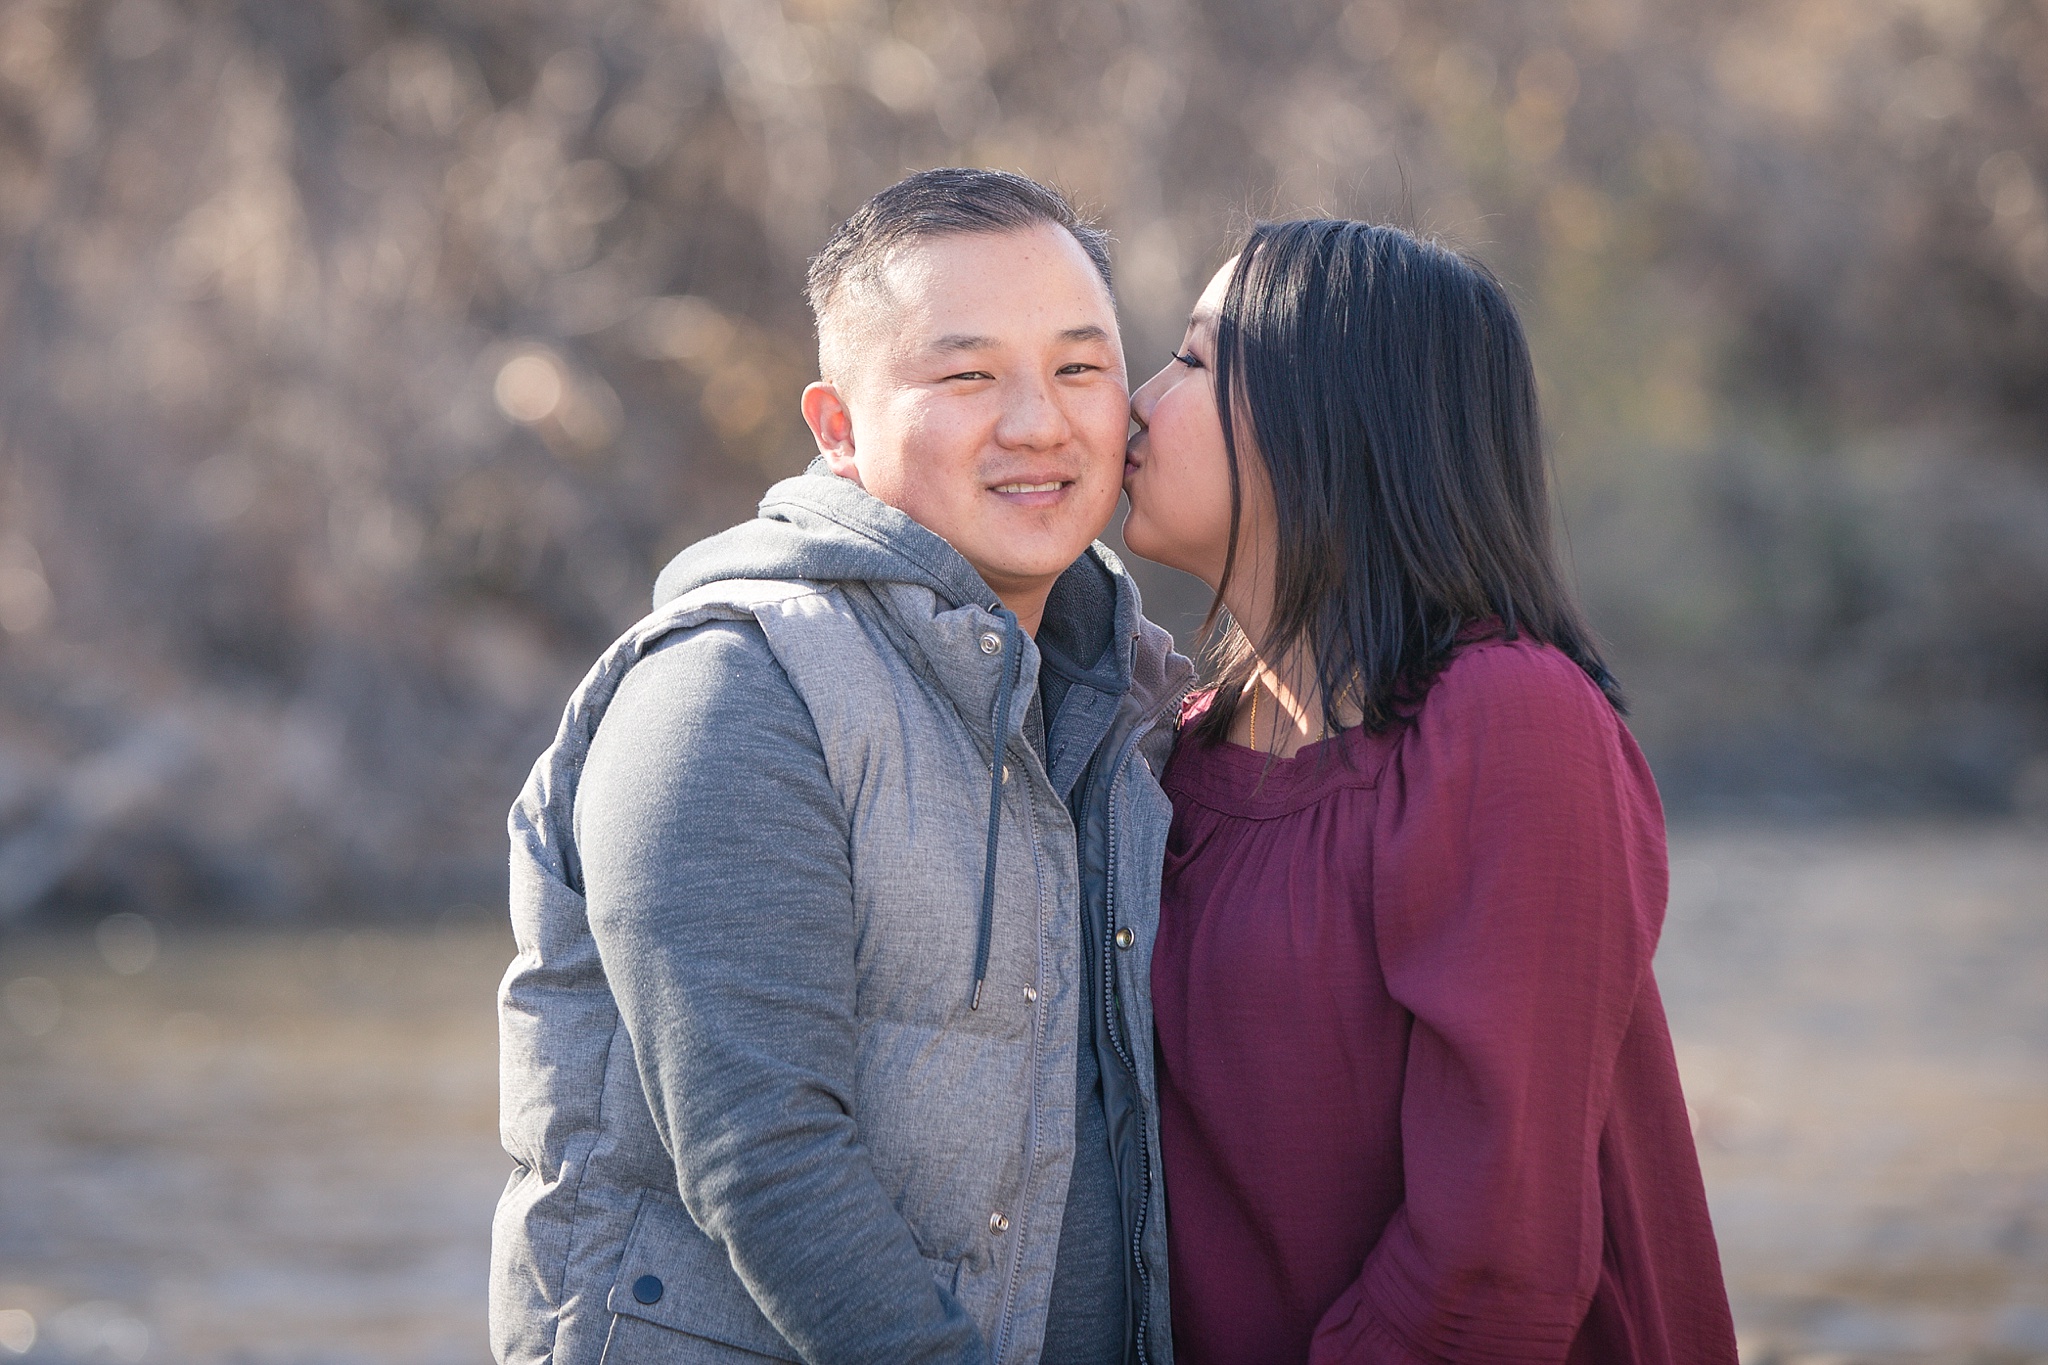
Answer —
1008 572
1026 552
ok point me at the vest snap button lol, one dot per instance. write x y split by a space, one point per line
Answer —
647 1289
991 643
1125 937
997 1224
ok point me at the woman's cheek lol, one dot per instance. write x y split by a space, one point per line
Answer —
1138 525
1148 530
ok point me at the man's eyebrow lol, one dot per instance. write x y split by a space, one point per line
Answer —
959 342
963 342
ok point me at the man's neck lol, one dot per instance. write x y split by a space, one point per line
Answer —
1027 605
1024 597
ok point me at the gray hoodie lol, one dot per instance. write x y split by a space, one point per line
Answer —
759 881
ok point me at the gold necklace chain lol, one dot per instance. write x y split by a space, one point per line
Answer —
1253 738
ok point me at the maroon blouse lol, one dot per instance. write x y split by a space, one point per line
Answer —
1417 1096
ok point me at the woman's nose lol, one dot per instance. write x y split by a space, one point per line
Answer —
1146 398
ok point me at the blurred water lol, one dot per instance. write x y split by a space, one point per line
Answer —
1862 1022
259 1148
279 1147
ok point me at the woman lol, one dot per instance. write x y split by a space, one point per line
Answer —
1418 1100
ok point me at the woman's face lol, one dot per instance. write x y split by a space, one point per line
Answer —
1176 470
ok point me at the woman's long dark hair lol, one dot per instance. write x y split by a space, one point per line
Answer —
1390 397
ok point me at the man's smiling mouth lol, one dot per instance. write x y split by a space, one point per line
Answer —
1052 487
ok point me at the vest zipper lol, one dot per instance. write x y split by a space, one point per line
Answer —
1031 1120
1123 1052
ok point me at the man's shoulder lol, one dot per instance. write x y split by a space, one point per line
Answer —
698 717
744 647
717 660
727 598
715 626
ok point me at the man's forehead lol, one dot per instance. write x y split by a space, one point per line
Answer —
930 254
954 293
1033 276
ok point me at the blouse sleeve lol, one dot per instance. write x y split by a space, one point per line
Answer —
1518 888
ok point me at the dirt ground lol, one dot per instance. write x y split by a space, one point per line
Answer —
273 1147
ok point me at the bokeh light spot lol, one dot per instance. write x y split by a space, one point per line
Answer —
572 80
17 1330
736 399
901 76
529 388
682 328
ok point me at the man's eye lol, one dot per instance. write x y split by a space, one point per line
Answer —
1188 359
971 374
1077 367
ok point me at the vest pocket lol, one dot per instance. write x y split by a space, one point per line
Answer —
635 1341
677 1298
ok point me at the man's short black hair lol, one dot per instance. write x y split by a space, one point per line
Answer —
938 203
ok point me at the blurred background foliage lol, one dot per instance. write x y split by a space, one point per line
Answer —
361 360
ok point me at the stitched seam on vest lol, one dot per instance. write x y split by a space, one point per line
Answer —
589 1143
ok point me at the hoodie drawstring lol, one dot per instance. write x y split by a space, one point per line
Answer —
999 735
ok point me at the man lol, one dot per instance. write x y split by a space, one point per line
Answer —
829 1037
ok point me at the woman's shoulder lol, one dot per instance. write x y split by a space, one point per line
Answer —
1514 737
1514 693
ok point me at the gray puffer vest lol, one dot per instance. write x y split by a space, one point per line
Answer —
640 1222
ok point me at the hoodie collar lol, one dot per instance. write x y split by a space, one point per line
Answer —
926 557
821 528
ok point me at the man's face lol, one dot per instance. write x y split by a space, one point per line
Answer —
985 397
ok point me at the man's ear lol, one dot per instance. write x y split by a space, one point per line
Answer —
831 422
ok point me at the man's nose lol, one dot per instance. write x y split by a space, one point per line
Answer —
1033 418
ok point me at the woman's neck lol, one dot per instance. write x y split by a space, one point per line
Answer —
1282 708
1282 712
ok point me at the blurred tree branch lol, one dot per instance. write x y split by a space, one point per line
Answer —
363 358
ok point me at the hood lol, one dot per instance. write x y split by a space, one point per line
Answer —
824 529
821 528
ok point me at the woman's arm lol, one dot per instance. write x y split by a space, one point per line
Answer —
1518 887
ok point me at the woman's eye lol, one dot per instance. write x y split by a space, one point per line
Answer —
1188 359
